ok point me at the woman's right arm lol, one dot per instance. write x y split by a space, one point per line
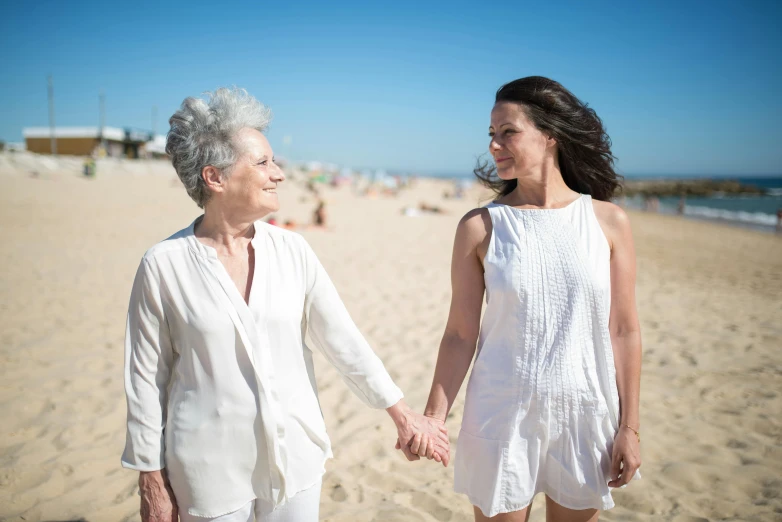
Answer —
157 498
458 345
148 361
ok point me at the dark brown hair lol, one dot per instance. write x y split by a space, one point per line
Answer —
583 147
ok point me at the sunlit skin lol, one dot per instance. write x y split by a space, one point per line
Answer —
246 194
516 145
524 153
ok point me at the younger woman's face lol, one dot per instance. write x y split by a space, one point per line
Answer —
517 146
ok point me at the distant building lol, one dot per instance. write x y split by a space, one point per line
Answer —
15 146
84 141
156 148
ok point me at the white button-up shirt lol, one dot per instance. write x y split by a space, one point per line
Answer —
222 393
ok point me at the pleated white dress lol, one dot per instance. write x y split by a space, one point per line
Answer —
542 406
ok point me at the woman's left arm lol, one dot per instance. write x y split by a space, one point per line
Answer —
339 339
626 342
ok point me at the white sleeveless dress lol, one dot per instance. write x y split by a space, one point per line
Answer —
542 406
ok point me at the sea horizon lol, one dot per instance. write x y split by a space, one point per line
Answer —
639 177
758 212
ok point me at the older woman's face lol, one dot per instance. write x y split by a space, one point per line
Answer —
251 188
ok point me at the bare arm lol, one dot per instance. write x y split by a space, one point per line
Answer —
625 340
623 320
458 345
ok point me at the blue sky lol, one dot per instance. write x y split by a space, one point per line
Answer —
683 87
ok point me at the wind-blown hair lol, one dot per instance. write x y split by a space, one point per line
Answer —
583 146
202 134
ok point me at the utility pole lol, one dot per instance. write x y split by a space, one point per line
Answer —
102 99
51 117
287 140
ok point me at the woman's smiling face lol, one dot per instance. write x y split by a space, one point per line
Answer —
251 187
517 146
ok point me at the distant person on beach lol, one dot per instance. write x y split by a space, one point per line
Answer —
423 208
651 203
89 167
223 416
319 215
552 404
779 221
432 209
682 206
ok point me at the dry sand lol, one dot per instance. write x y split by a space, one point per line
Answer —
709 296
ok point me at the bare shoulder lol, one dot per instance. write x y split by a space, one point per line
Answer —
474 226
473 233
611 215
614 221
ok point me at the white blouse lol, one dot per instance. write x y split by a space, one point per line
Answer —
222 393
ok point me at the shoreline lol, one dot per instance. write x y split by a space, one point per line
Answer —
716 220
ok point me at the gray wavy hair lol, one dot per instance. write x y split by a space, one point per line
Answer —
202 134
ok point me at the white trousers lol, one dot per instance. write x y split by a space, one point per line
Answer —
303 507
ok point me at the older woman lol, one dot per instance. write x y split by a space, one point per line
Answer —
223 416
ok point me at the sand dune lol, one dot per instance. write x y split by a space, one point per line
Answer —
710 299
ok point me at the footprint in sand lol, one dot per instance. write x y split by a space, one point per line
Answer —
396 513
429 504
338 493
126 493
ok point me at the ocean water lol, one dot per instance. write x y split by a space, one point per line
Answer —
759 212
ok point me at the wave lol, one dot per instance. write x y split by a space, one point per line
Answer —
755 218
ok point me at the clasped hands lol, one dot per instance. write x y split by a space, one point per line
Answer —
421 436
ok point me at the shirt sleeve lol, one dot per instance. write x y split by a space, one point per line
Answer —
148 361
337 337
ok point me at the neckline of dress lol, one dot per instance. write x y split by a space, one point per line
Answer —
579 198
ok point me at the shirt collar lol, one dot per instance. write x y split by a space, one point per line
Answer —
210 252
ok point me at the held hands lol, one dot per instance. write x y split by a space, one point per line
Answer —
421 436
626 457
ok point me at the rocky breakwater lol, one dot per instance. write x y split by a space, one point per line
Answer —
688 187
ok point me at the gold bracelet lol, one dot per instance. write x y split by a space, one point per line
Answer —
637 433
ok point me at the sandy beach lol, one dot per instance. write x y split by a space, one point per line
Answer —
709 297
